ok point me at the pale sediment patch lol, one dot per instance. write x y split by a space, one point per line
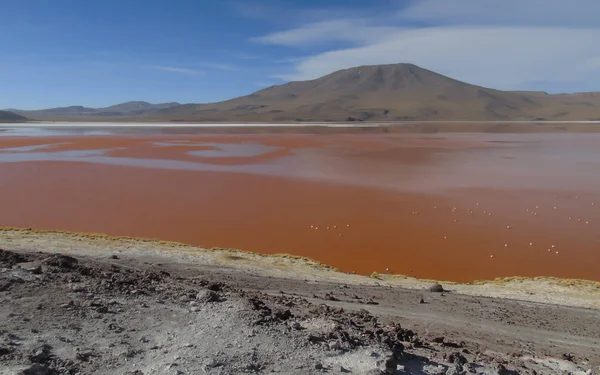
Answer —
566 292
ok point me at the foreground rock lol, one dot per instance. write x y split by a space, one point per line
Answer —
76 316
436 288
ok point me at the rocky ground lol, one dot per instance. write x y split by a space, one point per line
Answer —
106 314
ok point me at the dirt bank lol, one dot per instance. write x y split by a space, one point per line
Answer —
127 305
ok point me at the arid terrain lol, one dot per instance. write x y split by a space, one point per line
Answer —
398 92
120 305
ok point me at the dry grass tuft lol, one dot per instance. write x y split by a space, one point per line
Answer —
233 256
79 236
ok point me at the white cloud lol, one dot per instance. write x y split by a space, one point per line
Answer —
290 60
172 69
344 30
579 13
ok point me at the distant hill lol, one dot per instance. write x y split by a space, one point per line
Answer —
127 109
396 92
137 107
6 116
72 110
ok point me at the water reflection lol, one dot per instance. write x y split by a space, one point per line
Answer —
508 162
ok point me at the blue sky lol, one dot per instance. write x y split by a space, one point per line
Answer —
97 53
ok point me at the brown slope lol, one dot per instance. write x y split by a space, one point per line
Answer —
387 93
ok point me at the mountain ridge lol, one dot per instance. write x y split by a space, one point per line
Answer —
126 108
391 92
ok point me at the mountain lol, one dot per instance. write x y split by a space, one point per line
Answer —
396 92
122 110
137 107
6 116
389 93
72 110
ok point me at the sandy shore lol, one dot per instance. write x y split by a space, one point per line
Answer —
419 127
566 292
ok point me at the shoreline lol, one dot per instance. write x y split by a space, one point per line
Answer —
552 290
404 127
293 123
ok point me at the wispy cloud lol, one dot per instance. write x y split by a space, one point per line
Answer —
529 13
220 66
289 60
344 30
485 43
173 69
